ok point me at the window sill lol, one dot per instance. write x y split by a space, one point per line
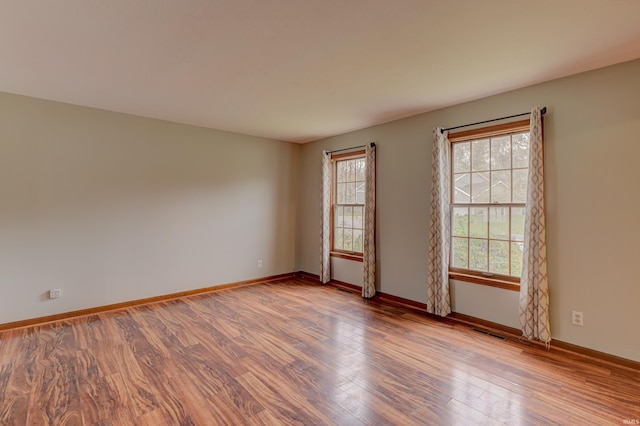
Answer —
491 282
348 256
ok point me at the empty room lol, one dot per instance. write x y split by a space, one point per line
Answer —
415 212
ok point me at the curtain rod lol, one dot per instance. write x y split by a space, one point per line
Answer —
349 149
543 111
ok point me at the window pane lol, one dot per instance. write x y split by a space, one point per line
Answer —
461 157
461 186
339 217
342 171
520 185
480 187
478 258
341 195
357 240
517 223
360 192
499 223
338 241
516 259
460 222
360 175
351 170
350 197
348 240
480 155
358 212
478 222
348 217
501 187
501 153
499 257
520 148
460 258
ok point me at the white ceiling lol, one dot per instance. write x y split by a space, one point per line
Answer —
300 70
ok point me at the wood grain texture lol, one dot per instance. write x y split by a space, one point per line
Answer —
488 131
473 322
130 303
293 352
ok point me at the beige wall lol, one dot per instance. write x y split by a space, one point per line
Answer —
112 207
592 137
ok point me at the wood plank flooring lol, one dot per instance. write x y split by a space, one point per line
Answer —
293 352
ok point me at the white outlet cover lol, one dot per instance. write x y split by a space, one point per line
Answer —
55 293
577 318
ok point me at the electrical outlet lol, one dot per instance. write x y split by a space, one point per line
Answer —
54 293
259 263
577 318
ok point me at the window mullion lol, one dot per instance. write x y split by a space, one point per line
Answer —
469 238
509 239
489 229
490 175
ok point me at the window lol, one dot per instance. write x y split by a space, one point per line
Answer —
348 195
489 190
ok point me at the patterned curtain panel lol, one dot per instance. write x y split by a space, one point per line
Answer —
534 289
438 299
325 219
369 263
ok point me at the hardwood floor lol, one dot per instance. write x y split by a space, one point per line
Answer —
292 352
